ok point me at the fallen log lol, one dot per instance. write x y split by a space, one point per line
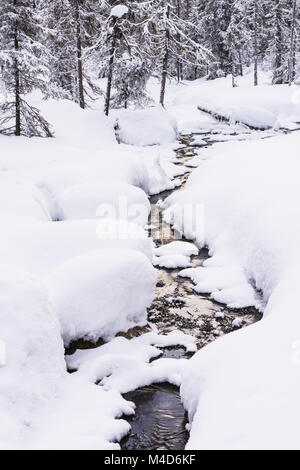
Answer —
254 118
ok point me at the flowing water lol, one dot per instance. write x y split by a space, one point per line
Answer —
160 419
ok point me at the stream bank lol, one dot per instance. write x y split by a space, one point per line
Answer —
160 419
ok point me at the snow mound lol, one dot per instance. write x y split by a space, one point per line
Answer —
34 363
22 200
111 200
119 10
172 261
153 126
122 365
252 375
92 293
227 285
39 247
252 116
177 248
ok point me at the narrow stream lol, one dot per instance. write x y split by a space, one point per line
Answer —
160 419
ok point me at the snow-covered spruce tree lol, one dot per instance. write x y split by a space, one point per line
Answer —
113 34
60 43
170 41
235 37
74 27
123 58
279 40
215 22
23 65
192 12
255 14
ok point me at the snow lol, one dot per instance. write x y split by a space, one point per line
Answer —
256 104
219 315
86 275
119 10
89 312
252 116
227 285
34 353
63 280
39 247
237 322
172 261
245 377
174 255
177 247
18 199
113 200
153 126
123 365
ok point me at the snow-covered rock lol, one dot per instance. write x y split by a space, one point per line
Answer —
153 126
172 261
252 116
177 248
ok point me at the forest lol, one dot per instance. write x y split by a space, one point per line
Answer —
62 47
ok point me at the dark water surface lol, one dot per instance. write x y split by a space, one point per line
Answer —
160 421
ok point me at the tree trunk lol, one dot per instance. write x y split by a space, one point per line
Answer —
278 73
233 73
292 46
255 45
240 63
17 80
110 68
165 64
179 65
79 57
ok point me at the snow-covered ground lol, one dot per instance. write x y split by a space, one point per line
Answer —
242 390
77 264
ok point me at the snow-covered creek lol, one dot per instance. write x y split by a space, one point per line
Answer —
160 419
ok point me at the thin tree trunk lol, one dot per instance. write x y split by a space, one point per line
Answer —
165 64
240 63
79 57
255 46
110 69
179 65
292 46
233 73
278 74
17 80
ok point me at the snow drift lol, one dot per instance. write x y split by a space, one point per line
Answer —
242 391
153 126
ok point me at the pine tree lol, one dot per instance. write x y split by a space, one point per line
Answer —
215 22
74 28
255 18
23 61
171 41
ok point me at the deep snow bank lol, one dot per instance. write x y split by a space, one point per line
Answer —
92 293
259 105
153 126
242 391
